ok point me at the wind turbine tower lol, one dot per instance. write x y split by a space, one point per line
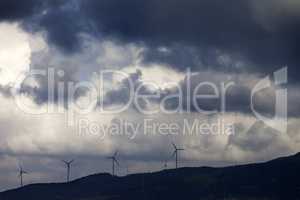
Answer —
21 172
176 150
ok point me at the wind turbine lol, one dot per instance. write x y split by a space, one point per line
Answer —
114 160
176 150
21 172
68 164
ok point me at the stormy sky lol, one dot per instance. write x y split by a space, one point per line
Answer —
165 49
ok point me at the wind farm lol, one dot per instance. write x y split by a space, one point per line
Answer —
239 182
114 159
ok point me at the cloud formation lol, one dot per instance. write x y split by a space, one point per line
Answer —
253 35
153 41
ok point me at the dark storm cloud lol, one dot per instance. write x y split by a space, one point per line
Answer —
18 10
62 22
207 25
196 32
62 32
201 22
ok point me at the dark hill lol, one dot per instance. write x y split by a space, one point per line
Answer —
276 179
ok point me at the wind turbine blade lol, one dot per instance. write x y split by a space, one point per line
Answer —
173 154
71 161
180 149
174 145
64 161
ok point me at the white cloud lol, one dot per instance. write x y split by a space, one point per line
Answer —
14 52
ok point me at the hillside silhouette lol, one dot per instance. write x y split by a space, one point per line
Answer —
276 179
